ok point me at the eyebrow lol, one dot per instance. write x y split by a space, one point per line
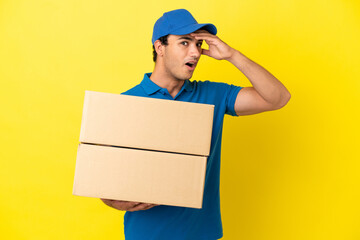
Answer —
188 38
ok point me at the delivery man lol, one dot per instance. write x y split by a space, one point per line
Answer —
177 40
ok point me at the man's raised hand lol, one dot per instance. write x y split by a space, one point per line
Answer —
217 48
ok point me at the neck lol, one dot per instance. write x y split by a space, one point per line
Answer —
165 80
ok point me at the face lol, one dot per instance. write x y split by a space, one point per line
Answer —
181 55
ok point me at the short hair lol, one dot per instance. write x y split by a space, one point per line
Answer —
164 41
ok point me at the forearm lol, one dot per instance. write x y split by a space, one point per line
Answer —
268 87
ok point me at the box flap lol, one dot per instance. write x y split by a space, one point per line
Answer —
139 175
147 123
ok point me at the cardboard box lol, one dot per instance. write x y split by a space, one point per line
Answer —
143 149
140 175
147 123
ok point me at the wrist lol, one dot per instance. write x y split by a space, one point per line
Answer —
233 55
239 60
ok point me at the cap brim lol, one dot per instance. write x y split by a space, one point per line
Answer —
192 28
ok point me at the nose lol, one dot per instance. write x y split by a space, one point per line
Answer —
195 51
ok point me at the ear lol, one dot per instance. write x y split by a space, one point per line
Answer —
159 48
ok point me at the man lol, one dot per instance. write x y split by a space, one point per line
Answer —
177 40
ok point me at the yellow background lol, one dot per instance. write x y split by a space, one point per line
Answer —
291 174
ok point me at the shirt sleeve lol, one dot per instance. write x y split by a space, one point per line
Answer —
231 98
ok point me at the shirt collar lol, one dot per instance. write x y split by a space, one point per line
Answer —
150 87
188 86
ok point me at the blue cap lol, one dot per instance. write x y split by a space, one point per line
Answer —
178 22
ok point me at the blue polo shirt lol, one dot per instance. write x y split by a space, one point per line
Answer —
182 223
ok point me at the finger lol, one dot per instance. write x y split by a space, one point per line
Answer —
124 205
151 206
209 41
104 200
107 201
139 207
110 201
205 52
202 34
143 206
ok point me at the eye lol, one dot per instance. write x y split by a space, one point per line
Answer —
199 44
184 43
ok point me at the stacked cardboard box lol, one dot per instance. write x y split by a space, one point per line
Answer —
143 149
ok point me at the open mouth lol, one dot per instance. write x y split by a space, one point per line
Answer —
190 65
